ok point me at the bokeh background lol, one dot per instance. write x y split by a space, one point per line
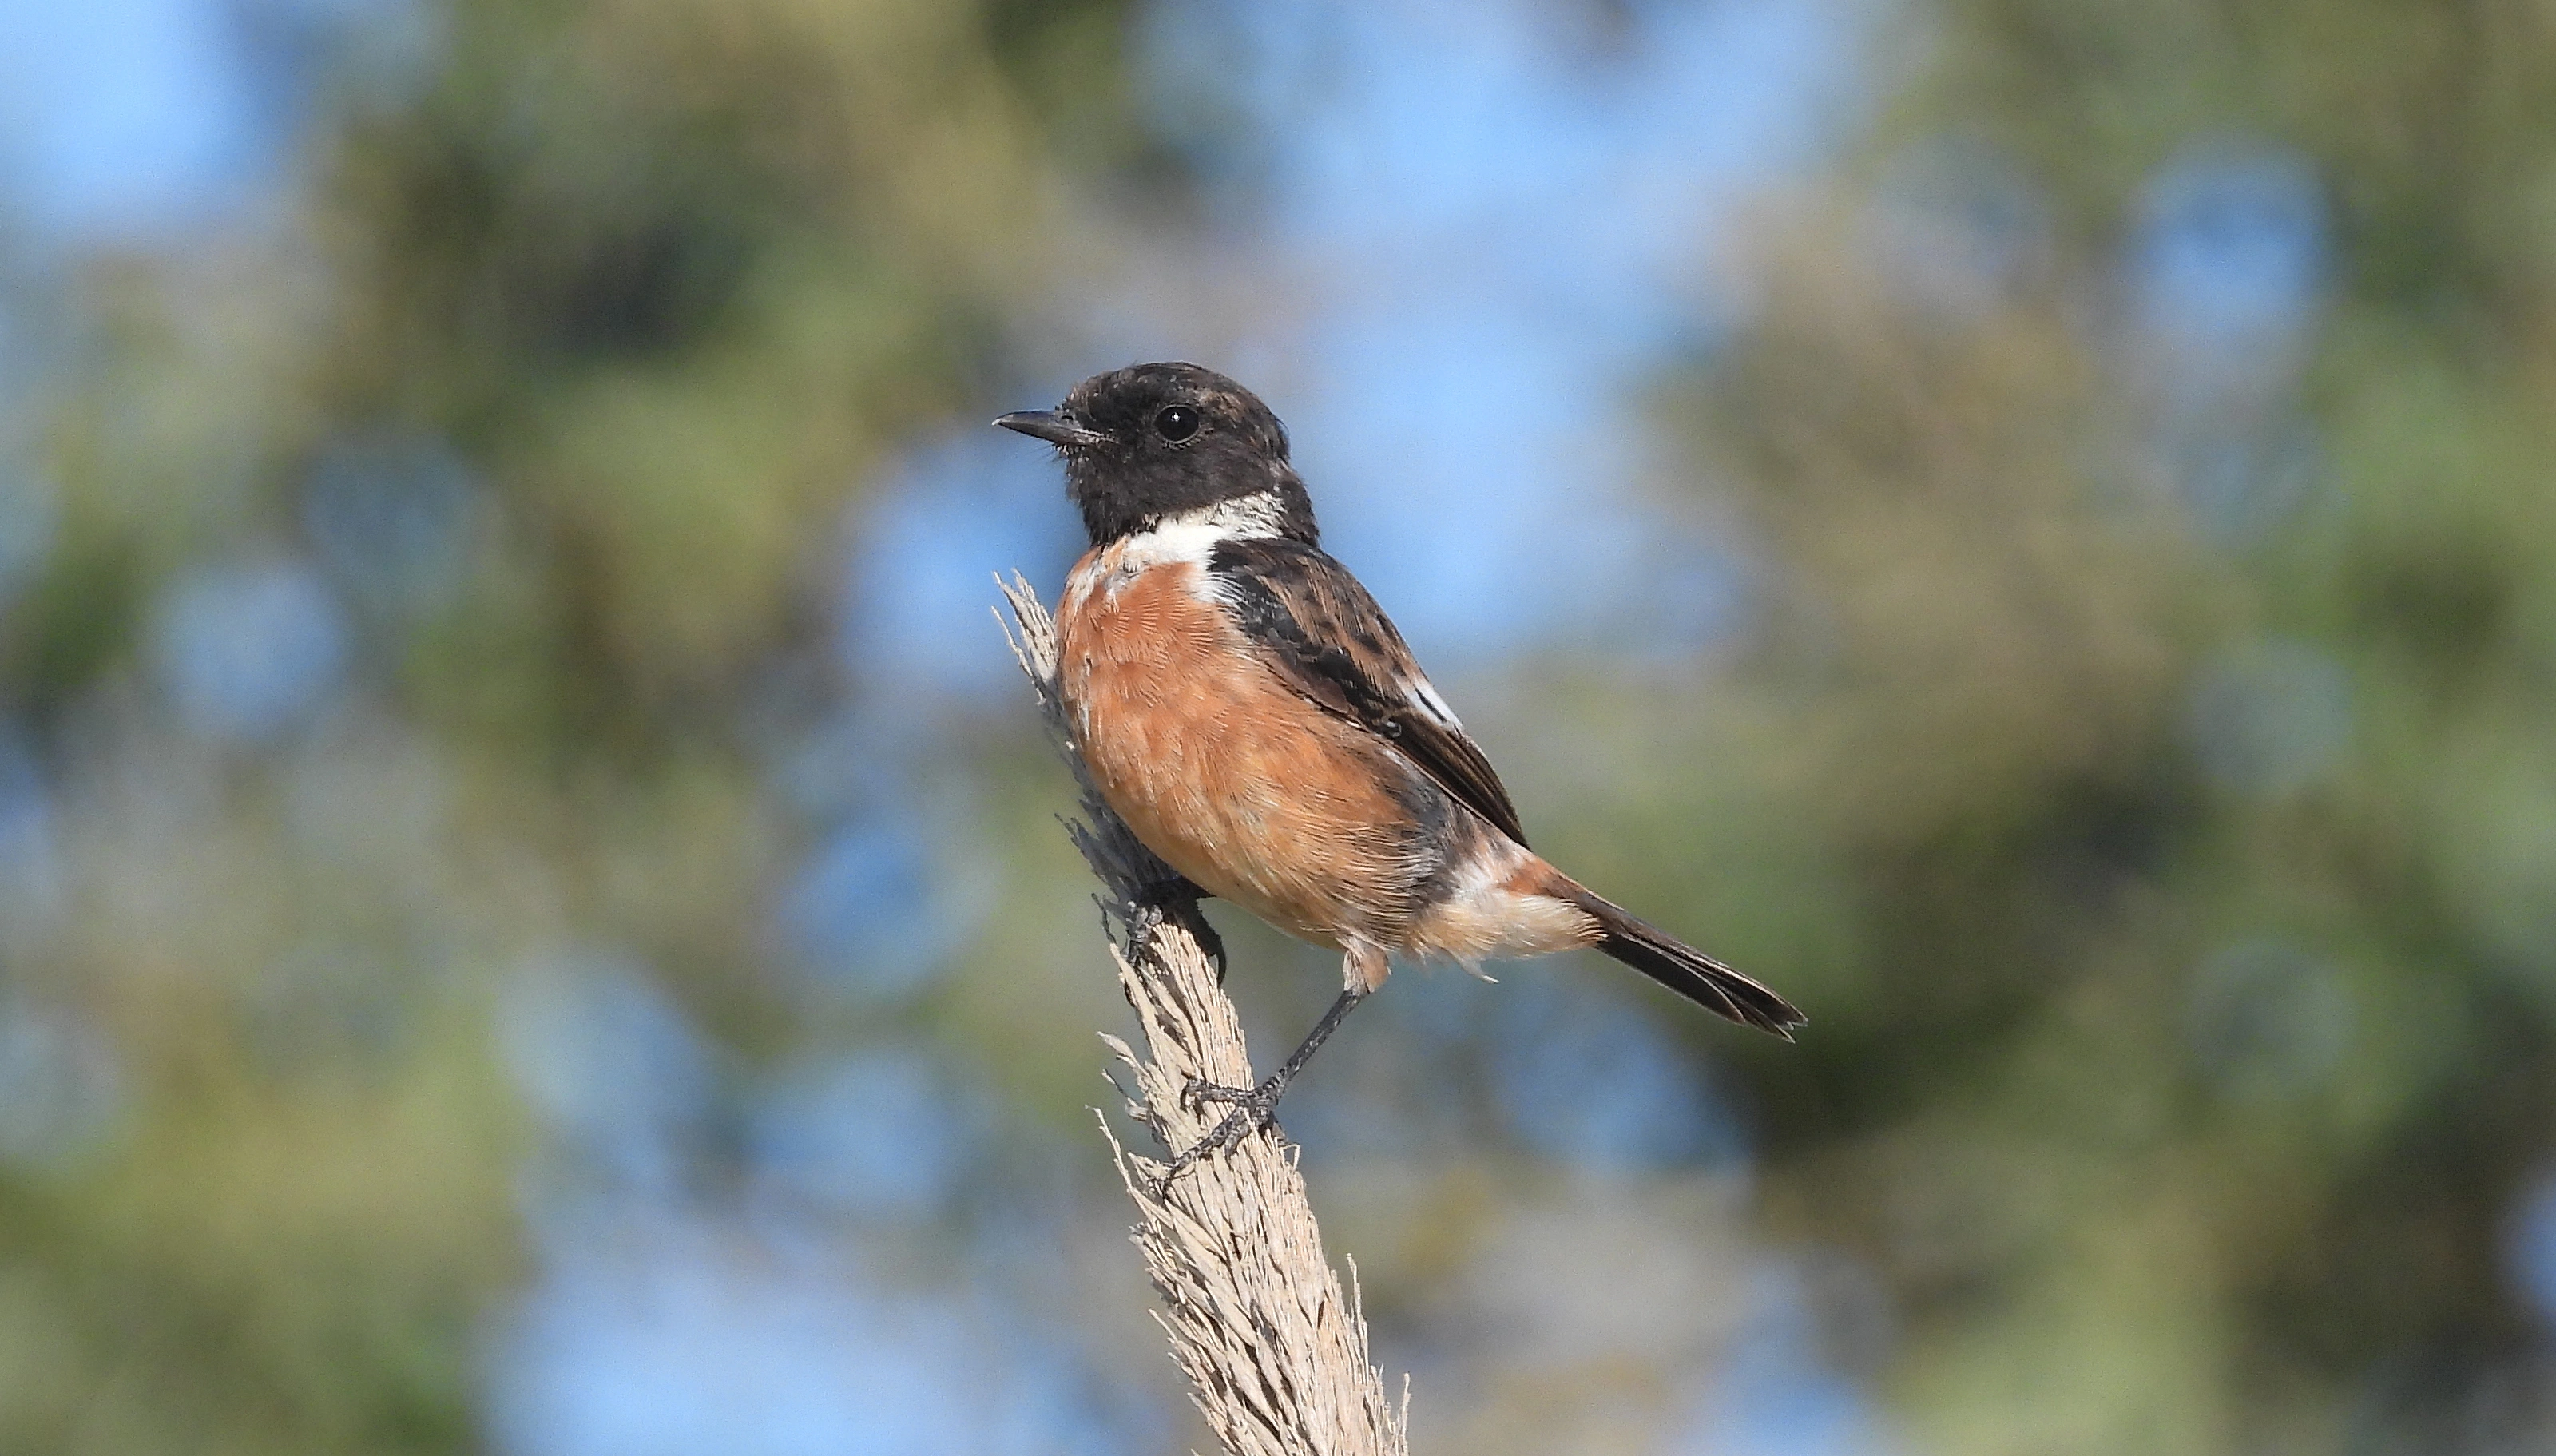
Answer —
531 916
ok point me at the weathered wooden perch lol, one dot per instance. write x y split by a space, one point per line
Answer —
1274 1350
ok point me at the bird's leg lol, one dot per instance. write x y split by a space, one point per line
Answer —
1256 1106
1176 898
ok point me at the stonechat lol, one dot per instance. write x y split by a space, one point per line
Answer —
1248 708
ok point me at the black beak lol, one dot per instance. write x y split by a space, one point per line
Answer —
1055 427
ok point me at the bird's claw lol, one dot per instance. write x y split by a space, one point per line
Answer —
1254 1108
1210 942
1175 900
1200 1092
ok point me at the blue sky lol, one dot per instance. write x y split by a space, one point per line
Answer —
125 118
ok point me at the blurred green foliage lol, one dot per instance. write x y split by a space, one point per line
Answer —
671 278
2056 1087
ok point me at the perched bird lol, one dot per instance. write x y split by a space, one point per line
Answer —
1246 708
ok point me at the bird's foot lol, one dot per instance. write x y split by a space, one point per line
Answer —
1176 899
1254 1108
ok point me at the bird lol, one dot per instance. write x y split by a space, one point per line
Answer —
1245 707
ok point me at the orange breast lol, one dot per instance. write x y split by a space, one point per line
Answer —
1235 780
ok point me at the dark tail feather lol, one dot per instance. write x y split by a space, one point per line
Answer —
1680 967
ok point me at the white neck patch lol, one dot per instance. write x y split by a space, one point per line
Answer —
1192 535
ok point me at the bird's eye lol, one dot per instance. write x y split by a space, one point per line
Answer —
1176 422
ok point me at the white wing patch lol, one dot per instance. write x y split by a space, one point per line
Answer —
1424 697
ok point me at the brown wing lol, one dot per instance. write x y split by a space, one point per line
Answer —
1328 639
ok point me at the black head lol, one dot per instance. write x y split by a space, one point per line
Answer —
1159 440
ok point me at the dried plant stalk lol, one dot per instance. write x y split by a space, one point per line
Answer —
1274 1350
